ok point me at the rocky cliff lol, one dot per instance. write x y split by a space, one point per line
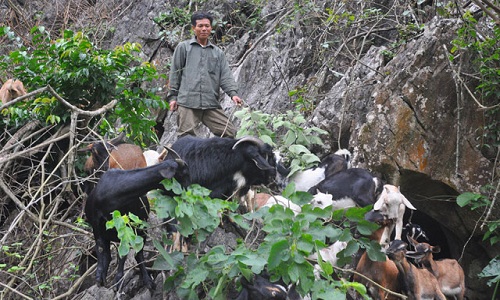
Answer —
402 106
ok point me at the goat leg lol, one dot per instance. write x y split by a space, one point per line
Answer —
120 271
148 281
103 252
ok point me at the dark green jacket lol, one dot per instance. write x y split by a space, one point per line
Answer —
198 73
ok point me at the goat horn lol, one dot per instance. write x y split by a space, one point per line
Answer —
117 139
178 159
252 139
180 162
163 154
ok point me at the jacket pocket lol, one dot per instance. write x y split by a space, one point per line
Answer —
213 65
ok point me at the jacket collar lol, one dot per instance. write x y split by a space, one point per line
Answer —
194 41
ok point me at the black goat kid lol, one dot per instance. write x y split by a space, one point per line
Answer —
356 184
125 191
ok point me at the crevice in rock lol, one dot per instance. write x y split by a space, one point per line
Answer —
420 123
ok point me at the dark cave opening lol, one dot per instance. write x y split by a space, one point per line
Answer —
436 212
432 229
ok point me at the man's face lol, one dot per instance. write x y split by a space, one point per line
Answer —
202 29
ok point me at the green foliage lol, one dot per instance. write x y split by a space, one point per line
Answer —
196 213
492 270
86 77
486 52
480 201
288 130
301 101
172 22
289 240
126 226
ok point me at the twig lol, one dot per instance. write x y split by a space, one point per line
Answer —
15 291
486 11
14 140
77 283
493 202
457 76
459 96
80 111
93 113
33 149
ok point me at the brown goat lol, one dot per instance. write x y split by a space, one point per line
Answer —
448 272
420 284
385 272
121 156
112 155
12 89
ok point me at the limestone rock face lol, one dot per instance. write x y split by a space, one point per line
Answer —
403 114
418 120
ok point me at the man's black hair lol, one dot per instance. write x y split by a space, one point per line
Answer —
200 15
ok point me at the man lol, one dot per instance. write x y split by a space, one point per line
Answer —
199 70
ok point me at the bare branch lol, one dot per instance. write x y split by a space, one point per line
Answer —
487 11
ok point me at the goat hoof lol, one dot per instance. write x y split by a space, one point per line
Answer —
150 284
100 282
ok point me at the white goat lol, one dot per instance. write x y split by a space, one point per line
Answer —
329 253
152 157
272 200
253 201
323 200
392 204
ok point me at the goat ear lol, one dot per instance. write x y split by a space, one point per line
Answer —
261 163
408 204
415 255
412 241
378 205
86 149
435 249
168 172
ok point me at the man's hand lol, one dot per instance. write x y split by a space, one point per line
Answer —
173 105
237 100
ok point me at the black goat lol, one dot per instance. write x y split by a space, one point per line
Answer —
226 166
356 184
124 190
261 288
415 232
329 165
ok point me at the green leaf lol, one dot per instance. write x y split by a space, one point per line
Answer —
123 249
492 270
374 252
466 198
294 272
310 158
279 251
298 149
352 248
